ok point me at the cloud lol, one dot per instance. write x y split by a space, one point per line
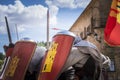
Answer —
53 13
28 18
31 15
68 3
2 30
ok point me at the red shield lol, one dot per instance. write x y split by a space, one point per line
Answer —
56 57
20 59
9 51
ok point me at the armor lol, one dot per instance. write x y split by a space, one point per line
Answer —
85 55
67 57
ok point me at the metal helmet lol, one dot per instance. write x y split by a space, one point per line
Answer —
27 39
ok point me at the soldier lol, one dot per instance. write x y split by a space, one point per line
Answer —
86 60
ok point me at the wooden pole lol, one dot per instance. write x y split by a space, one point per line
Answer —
47 29
17 31
8 30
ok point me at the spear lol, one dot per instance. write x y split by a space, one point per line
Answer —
17 32
8 30
47 28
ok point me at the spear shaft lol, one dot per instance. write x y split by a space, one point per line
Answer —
8 30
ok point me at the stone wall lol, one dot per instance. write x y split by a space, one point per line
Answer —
92 18
90 26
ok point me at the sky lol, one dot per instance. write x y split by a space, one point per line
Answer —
30 18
